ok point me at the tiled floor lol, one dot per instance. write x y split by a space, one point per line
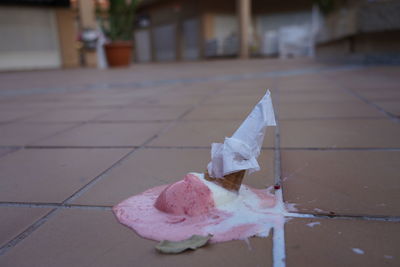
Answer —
80 141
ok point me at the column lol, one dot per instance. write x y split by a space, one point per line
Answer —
244 14
87 15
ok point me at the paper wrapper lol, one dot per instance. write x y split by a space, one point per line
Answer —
240 152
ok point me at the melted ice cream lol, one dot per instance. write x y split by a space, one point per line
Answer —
196 206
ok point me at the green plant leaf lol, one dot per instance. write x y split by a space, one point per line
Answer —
120 19
175 247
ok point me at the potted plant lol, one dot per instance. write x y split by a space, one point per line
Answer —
117 23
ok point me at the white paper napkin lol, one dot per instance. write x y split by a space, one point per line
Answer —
240 152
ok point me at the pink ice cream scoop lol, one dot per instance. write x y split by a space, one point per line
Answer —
189 196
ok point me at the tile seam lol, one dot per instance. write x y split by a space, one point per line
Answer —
43 205
15 148
278 239
27 232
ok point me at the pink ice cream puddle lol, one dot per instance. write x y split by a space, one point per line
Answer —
177 211
189 196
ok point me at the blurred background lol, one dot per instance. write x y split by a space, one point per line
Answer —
43 34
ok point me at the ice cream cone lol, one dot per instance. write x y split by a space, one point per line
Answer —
230 182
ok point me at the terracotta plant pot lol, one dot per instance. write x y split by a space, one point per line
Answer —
119 54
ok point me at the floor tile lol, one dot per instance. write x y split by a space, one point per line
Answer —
51 175
68 115
105 134
10 115
203 133
168 99
334 243
343 182
152 167
336 96
392 107
20 134
5 151
234 112
367 133
144 114
381 95
248 100
15 220
254 87
320 110
95 238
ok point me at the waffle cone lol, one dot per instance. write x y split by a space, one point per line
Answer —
231 181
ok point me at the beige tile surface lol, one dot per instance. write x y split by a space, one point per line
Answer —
169 100
51 175
152 167
105 134
5 151
245 99
256 87
318 115
20 134
68 115
331 242
211 112
203 133
13 114
320 110
310 97
15 220
144 113
392 106
381 95
94 238
363 133
344 182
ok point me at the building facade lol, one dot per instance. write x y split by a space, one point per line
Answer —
361 31
190 30
43 34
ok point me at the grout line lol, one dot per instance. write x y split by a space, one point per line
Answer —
277 157
278 239
97 121
278 194
29 204
53 205
28 231
15 148
333 118
342 148
81 147
192 147
9 151
278 244
344 217
129 121
73 126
